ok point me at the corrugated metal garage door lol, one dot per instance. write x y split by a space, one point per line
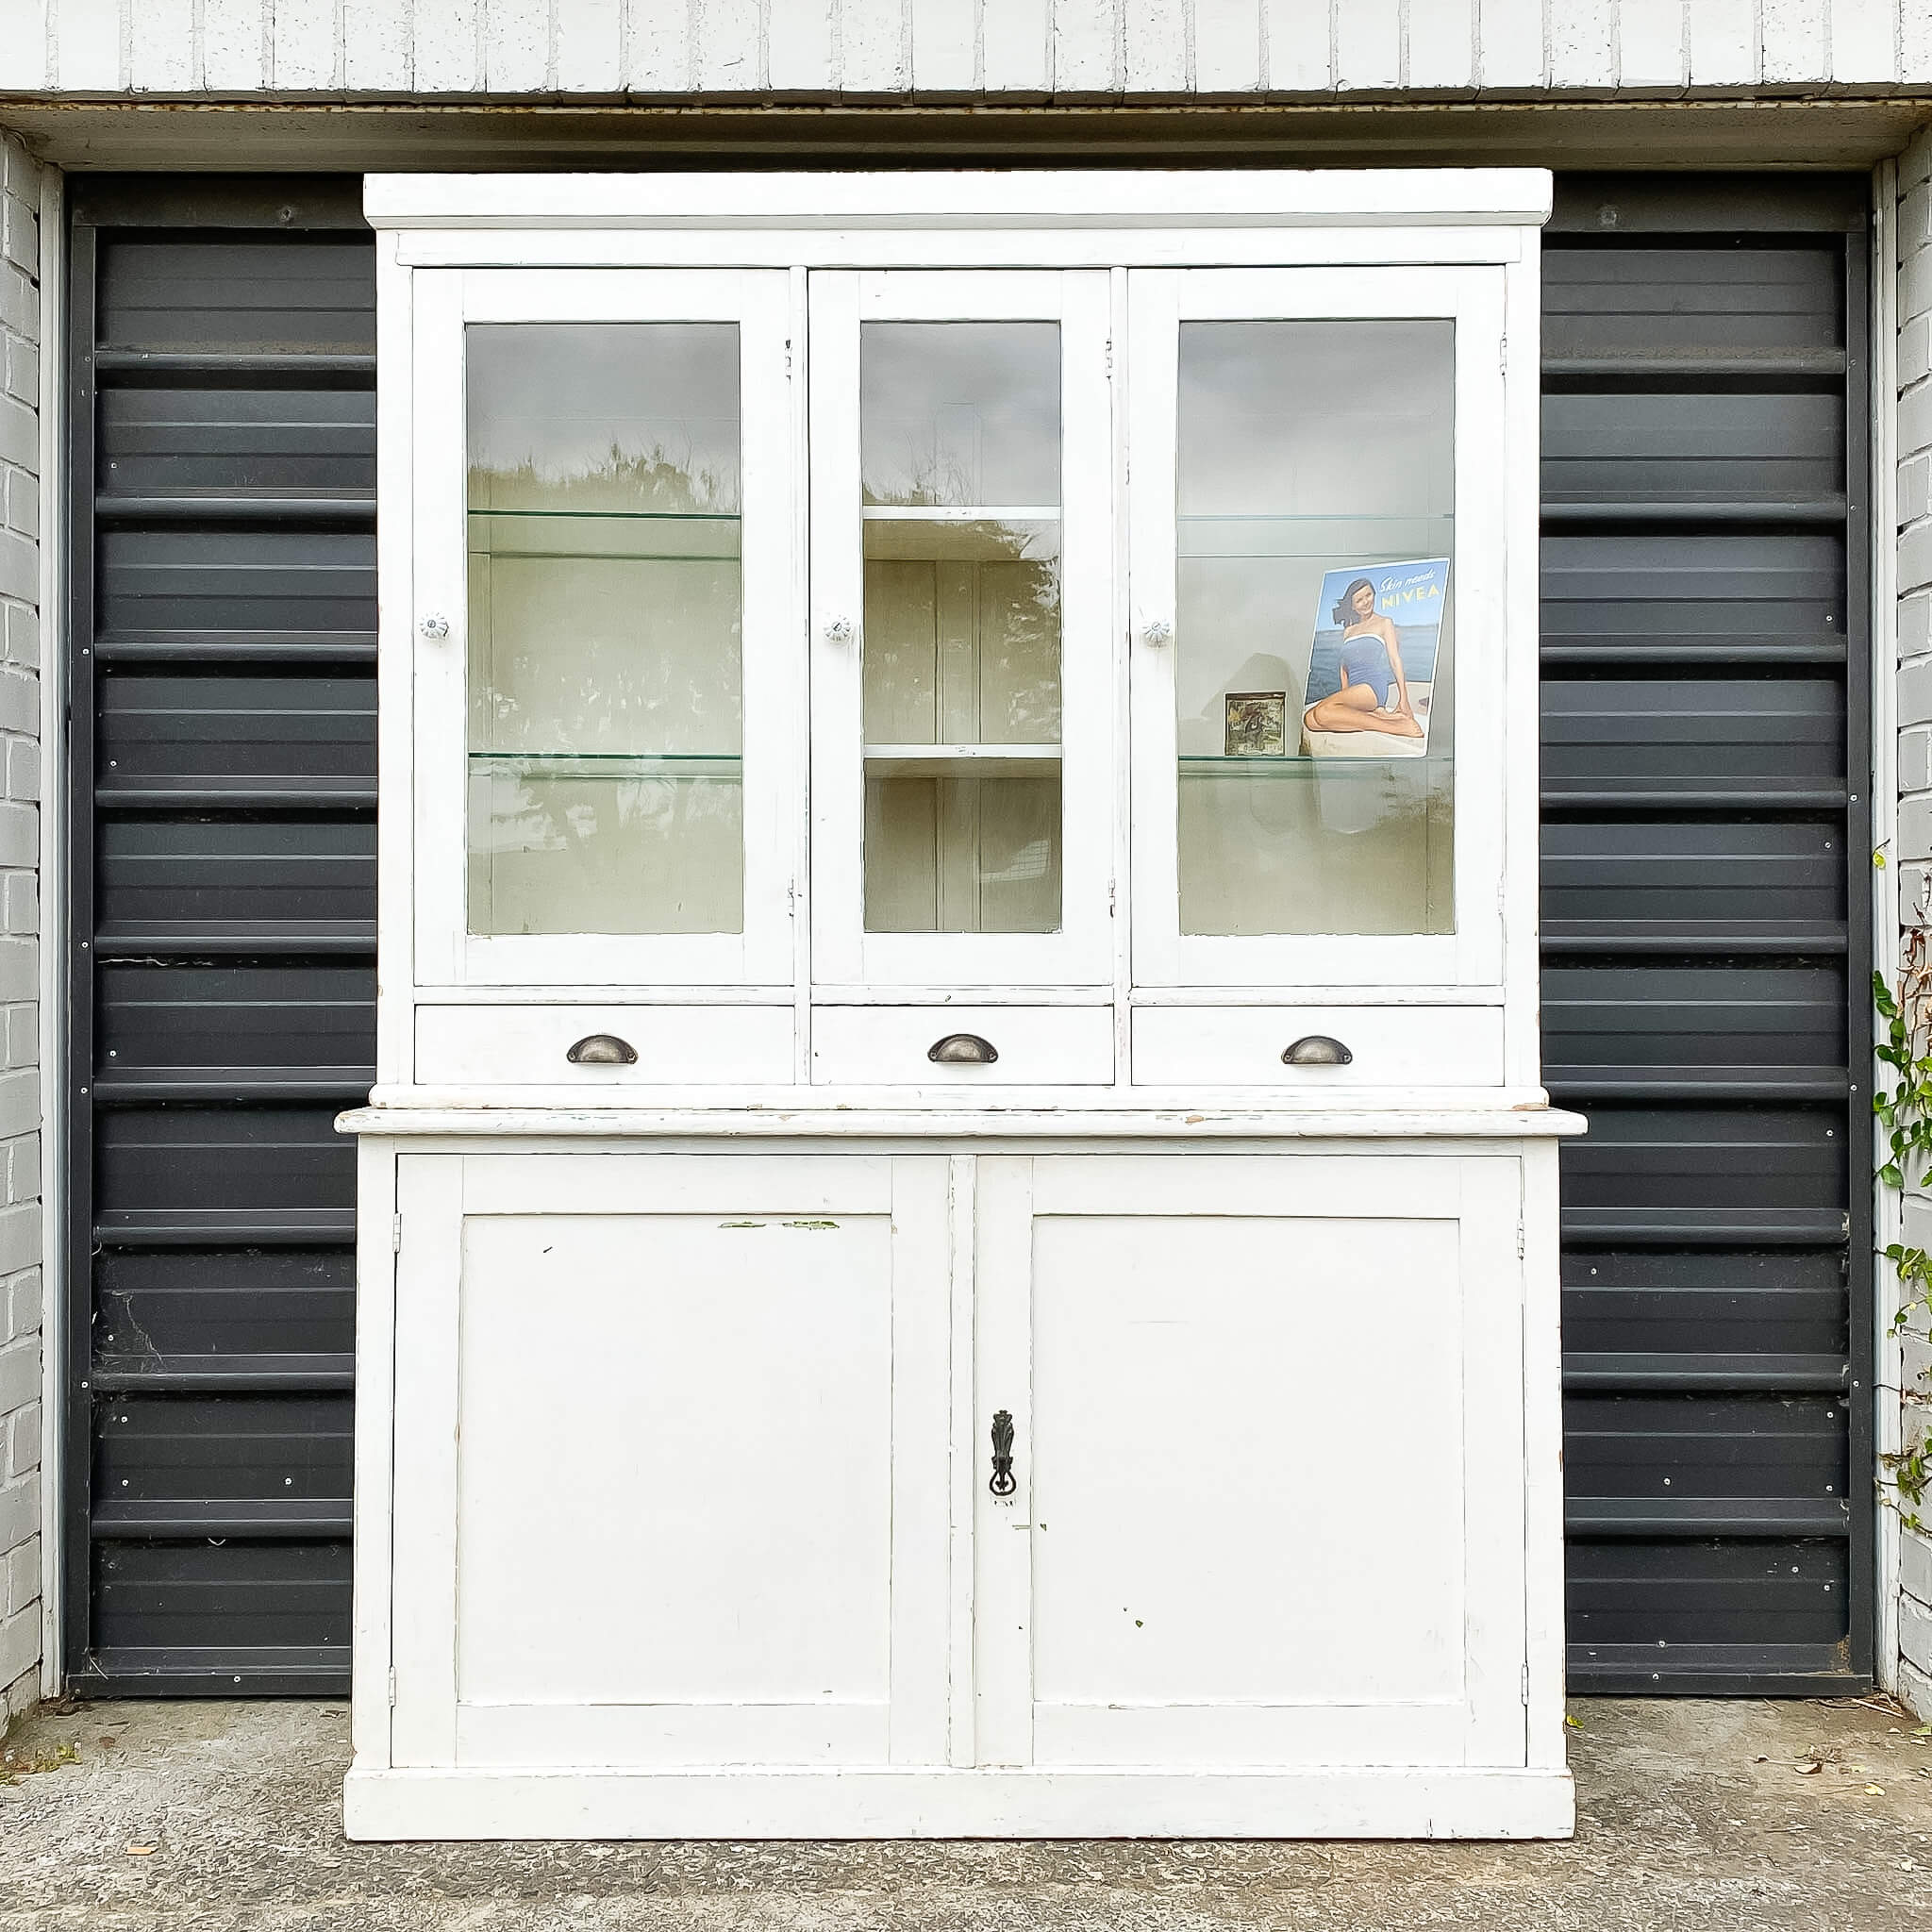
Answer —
222 925
1706 924
1705 631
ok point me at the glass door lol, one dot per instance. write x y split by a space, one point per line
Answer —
608 583
962 619
1318 571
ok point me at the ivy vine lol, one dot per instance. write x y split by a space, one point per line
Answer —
1904 1108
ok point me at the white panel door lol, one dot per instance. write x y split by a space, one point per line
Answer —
609 563
672 1460
1267 1420
1328 507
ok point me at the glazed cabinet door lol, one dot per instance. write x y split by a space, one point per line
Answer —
606 617
1266 1495
1324 481
672 1454
963 595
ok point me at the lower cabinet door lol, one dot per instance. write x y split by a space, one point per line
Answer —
1266 1491
671 1453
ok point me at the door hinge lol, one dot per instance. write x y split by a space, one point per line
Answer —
396 1234
1109 358
1518 1238
1522 1682
1503 355
392 1686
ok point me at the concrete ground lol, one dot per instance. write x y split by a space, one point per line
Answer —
1741 1816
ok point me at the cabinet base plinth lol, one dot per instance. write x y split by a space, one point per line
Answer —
1388 1802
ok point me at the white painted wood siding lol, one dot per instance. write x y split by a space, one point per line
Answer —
1075 49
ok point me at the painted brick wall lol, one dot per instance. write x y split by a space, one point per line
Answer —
1071 48
1915 792
20 773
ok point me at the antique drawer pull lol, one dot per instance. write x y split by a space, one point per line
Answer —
1316 1049
602 1050
962 1050
1002 1483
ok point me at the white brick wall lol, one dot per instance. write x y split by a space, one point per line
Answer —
1914 434
1072 48
20 773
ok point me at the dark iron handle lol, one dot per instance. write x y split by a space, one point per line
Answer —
602 1050
962 1050
1316 1049
1002 1483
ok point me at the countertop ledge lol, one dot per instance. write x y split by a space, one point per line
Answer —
1524 1120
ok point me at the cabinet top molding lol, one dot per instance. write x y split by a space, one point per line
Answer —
1042 198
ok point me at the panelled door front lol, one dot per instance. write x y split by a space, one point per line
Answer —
1179 1568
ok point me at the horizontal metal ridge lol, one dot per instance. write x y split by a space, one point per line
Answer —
1715 1670
1746 651
212 1670
188 1521
1701 1516
1695 1227
220 1374
1638 363
239 647
236 938
1691 936
1688 798
1603 1372
334 367
225 1227
188 508
1815 512
1694 1083
308 794
349 1085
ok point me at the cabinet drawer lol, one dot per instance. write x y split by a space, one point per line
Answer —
1392 1046
1038 1046
675 1045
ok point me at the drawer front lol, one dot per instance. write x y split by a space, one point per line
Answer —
1037 1046
676 1046
1391 1046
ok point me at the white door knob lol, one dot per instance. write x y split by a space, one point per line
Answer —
1156 630
434 625
841 631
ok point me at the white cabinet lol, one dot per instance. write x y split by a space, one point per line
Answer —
698 1460
958 1219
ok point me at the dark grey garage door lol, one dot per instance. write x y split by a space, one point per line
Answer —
223 754
1705 909
1704 917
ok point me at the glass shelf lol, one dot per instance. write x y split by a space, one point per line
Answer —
962 760
962 513
618 764
1217 765
631 516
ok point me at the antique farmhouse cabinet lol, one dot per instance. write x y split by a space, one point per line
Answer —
958 1220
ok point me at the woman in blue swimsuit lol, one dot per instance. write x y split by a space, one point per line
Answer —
1375 693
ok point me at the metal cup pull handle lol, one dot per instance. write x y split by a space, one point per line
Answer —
962 1050
1316 1049
1002 1483
602 1050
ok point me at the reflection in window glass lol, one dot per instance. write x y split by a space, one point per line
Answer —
962 627
606 710
1315 666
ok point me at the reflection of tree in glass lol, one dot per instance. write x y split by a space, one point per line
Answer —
643 483
609 613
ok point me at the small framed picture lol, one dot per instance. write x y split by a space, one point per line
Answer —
1257 725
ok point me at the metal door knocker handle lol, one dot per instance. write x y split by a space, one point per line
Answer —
1316 1049
962 1050
1002 1483
602 1050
